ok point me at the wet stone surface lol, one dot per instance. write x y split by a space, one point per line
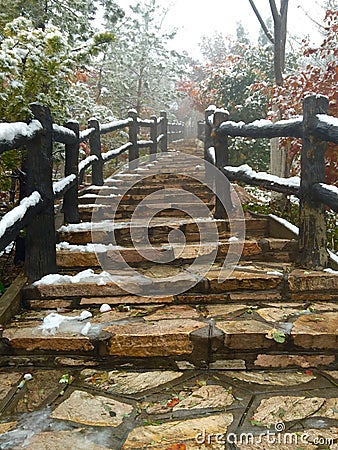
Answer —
98 409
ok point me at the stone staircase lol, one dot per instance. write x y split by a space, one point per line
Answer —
181 299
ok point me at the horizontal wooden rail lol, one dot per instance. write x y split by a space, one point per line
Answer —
15 135
245 174
38 207
12 223
315 128
263 129
326 194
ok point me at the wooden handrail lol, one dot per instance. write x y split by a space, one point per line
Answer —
315 128
38 136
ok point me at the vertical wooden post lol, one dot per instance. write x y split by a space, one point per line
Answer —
41 239
153 137
133 131
95 149
312 226
164 131
208 142
222 185
70 199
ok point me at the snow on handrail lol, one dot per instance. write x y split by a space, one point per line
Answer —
248 175
327 128
116 152
327 194
12 222
263 128
13 135
115 125
62 186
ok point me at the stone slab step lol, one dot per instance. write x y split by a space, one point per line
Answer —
200 336
158 280
157 230
86 256
156 197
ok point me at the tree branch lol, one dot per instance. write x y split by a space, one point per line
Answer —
261 21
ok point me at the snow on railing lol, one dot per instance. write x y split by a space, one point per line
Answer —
111 154
310 187
13 135
20 134
246 174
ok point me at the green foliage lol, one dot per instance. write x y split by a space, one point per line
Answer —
34 66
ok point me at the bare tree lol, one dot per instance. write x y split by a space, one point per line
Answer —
278 39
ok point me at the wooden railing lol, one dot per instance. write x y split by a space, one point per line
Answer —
315 128
36 211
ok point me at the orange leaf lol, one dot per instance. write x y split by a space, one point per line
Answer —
173 402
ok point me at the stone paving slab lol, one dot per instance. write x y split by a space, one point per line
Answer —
168 410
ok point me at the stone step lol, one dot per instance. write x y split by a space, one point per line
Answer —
138 189
201 336
158 229
86 256
161 196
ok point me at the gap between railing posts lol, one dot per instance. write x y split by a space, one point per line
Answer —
40 235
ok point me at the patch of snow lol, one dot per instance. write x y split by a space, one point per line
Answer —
233 239
86 133
86 328
117 151
86 276
54 321
333 256
328 270
105 308
328 119
212 155
19 211
275 272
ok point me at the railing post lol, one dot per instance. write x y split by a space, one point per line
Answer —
222 185
70 200
40 239
312 226
153 137
95 149
133 131
164 131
